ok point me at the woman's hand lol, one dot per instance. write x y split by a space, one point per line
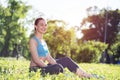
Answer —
50 59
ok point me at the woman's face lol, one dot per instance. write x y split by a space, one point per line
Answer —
41 26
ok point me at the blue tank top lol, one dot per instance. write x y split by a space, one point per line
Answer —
42 47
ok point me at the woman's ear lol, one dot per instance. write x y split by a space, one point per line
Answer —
35 27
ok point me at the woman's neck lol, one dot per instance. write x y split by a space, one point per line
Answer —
39 36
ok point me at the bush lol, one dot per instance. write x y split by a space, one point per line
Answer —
115 52
90 51
88 54
115 48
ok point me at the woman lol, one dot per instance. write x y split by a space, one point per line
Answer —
40 54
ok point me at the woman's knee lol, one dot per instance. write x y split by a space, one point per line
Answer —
58 68
67 59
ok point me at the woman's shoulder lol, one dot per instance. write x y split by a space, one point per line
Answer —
32 40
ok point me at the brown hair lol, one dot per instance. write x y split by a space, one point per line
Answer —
37 21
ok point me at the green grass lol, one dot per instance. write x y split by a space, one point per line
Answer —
12 69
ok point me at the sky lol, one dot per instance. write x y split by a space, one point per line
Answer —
71 11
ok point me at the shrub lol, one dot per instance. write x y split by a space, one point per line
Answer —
90 51
115 52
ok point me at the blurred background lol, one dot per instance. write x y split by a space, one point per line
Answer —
86 31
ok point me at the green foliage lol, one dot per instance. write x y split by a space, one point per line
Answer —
90 51
12 32
115 51
115 48
97 25
12 69
64 41
58 38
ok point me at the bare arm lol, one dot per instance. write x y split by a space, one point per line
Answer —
34 54
50 59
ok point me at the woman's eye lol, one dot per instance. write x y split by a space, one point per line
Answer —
42 24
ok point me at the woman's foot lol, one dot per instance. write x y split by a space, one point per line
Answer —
86 75
83 74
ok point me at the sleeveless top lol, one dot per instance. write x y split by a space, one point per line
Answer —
42 47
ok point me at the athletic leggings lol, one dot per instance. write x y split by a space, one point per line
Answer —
64 62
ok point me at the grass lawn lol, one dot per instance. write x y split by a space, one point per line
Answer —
12 69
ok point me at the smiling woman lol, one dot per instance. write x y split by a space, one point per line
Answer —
40 54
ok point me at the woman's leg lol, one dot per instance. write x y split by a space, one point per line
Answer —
69 63
52 69
80 72
72 66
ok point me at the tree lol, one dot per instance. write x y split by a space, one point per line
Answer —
97 23
58 38
103 27
12 30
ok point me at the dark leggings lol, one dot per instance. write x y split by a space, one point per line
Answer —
57 68
67 62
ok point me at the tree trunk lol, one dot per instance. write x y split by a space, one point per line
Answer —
5 51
